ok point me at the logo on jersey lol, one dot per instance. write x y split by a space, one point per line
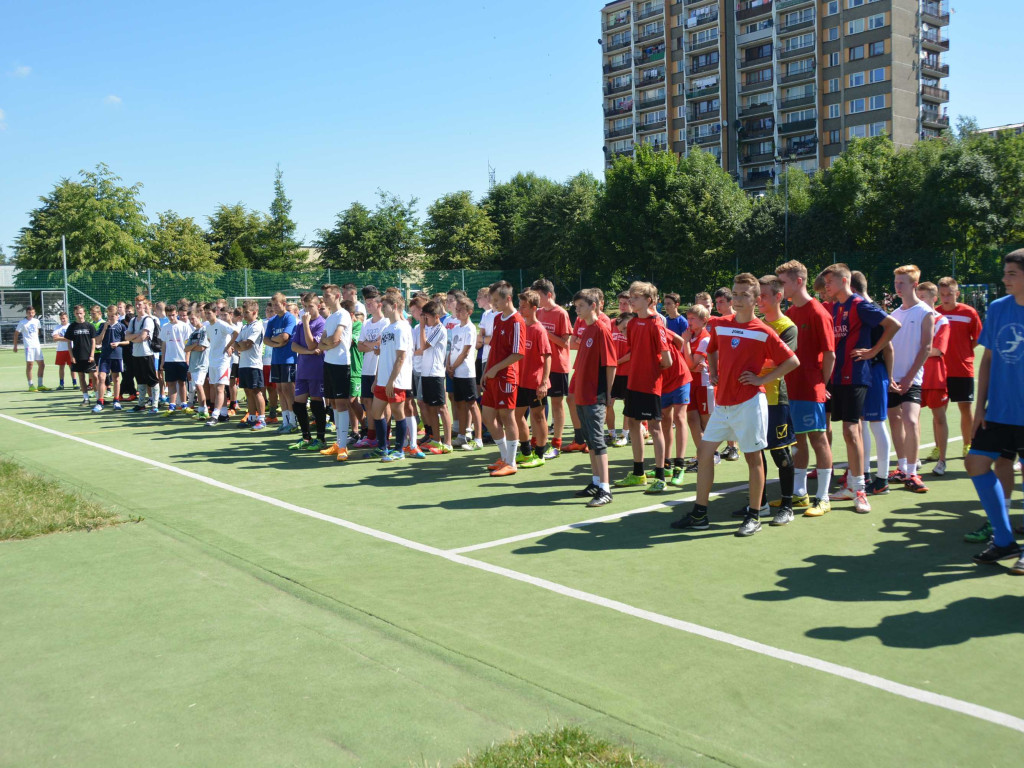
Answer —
735 342
590 343
1010 343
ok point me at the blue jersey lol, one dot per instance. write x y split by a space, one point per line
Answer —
852 322
677 325
277 325
1003 334
114 335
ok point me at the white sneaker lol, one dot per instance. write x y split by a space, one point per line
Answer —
97 408
939 468
844 494
459 441
860 503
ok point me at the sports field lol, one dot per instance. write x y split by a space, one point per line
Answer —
279 609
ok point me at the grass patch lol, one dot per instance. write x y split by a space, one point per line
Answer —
566 747
32 505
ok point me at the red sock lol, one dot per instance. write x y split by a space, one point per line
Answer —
557 442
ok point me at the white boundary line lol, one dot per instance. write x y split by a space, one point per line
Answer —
847 673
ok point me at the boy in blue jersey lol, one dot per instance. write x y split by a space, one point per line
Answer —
999 417
278 336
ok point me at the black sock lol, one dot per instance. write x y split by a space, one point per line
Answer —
577 436
699 510
678 463
526 447
787 478
764 489
638 467
302 416
659 473
320 417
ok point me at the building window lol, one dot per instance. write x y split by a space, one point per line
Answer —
833 85
832 33
877 102
833 8
876 75
798 16
833 110
800 114
681 135
800 41
856 53
876 49
876 129
877 21
853 106
680 112
854 3
856 79
833 59
857 132
833 137
855 27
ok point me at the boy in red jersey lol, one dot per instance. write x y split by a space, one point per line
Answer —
675 397
618 438
964 332
534 381
702 394
501 379
737 353
934 381
648 355
556 322
578 443
592 381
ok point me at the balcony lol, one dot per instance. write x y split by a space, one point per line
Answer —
782 5
796 26
620 110
757 109
801 148
934 120
760 132
697 117
697 70
610 90
936 14
764 157
658 34
712 43
799 125
757 85
647 58
650 13
933 41
792 53
653 101
614 133
932 68
702 93
621 152
698 20
832 150
653 125
617 22
624 64
931 93
625 42
798 101
747 11
651 80
797 77
707 138
759 177
747 62
694 2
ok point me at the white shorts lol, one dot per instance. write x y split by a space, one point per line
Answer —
198 375
33 354
220 373
746 423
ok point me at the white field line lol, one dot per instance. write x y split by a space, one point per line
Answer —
847 673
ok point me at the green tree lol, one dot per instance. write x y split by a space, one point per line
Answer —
235 224
103 221
278 249
346 245
458 234
178 243
510 206
385 238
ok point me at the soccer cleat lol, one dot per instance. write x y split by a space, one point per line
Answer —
630 481
153 412
897 476
730 454
575 447
223 419
472 445
860 503
879 486
678 478
782 516
315 445
843 494
650 474
915 484
589 492
933 456
43 388
718 458
301 445
939 468
60 387
117 406
658 486
522 457
994 553
332 450
459 441
799 502
341 455
391 456
85 400
190 412
619 442
138 408
751 524
32 388
273 420
504 471
812 475
97 408
231 413
414 453
692 522
532 462
496 465
259 426
979 535
1018 568
818 508
552 453
745 510
690 465
365 442
212 422
604 497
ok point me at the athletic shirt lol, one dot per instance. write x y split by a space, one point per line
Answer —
276 326
699 346
621 350
354 355
29 330
174 335
964 332
556 321
907 341
138 325
395 336
198 359
816 336
370 333
80 335
1003 334
579 326
776 391
252 357
463 336
62 330
852 321
114 335
509 339
435 350
596 353
310 366
531 367
743 347
677 325
487 328
647 340
339 354
677 374
935 367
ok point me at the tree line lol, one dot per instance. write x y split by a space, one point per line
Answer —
948 203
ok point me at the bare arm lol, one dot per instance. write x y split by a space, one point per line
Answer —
923 351
510 360
828 365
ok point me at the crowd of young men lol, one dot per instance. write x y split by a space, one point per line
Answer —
373 371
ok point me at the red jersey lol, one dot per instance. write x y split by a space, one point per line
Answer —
699 346
531 367
676 375
935 367
743 347
621 349
556 322
964 332
508 338
579 325
647 340
815 336
596 353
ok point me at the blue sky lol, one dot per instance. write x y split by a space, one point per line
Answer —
199 101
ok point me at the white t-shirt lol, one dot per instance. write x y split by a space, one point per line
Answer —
370 333
252 357
338 355
702 348
29 330
219 334
432 361
395 336
360 308
234 355
417 360
487 327
62 346
174 336
907 341
138 325
463 336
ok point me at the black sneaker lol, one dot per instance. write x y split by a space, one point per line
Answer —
744 511
692 522
138 409
783 516
994 553
730 454
223 419
601 498
690 464
751 524
879 487
590 491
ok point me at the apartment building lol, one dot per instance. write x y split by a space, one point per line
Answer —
762 84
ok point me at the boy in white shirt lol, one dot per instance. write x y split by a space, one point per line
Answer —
198 350
368 343
28 329
335 345
63 351
394 377
173 364
248 341
433 350
462 368
219 332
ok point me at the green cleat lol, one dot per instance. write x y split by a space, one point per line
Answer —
43 388
315 445
658 486
522 458
630 481
302 445
981 535
32 388
678 478
799 502
532 461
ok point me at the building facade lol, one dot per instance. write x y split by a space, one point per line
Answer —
762 84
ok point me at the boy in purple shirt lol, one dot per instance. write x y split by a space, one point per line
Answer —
309 375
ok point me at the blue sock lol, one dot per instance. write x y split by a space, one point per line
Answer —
990 492
382 434
401 427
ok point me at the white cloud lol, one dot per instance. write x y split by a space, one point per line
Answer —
22 71
3 120
112 100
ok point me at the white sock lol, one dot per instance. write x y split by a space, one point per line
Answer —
500 443
411 431
224 411
595 479
606 487
883 442
911 468
800 482
858 484
824 480
511 447
341 421
901 464
865 441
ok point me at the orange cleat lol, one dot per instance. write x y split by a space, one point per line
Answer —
341 455
496 465
331 450
576 448
504 471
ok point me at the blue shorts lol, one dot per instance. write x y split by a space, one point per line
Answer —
807 416
876 404
107 365
679 396
449 385
282 373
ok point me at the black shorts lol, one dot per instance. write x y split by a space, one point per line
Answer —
642 406
527 398
433 390
143 370
235 369
912 395
82 367
780 427
175 372
828 400
417 387
366 386
960 389
1002 440
250 378
282 373
848 402
559 384
619 387
464 390
337 381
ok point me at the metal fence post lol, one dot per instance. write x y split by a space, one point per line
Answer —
463 278
245 270
149 284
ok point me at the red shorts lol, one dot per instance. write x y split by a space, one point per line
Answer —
266 378
381 393
934 398
64 358
698 399
500 393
